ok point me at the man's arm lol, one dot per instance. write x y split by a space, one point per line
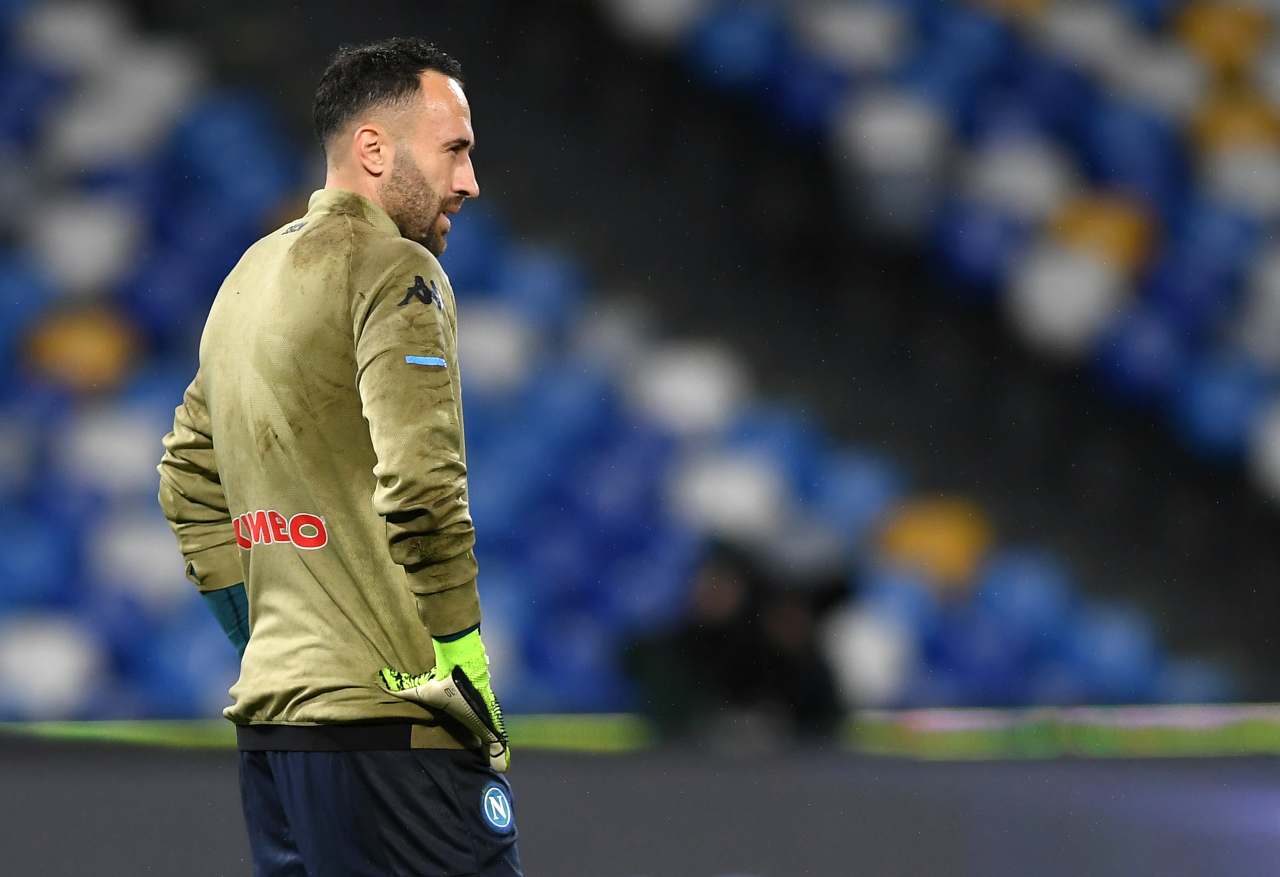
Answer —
405 367
195 506
405 350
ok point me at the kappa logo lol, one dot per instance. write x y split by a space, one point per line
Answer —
427 294
496 807
264 527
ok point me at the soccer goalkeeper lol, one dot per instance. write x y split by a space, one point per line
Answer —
316 480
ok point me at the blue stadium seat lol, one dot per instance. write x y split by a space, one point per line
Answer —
28 91
1216 407
1188 680
1143 355
787 438
570 405
1129 149
983 654
1029 595
475 236
1115 652
739 44
616 498
25 293
1210 235
125 625
853 491
806 92
1152 14
226 150
961 49
901 596
579 664
977 245
543 286
1057 682
168 297
1196 295
649 589
190 667
40 565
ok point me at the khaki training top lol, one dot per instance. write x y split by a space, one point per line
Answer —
318 457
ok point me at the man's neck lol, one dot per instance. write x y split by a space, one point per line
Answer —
362 186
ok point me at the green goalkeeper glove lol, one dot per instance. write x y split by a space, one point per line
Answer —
459 687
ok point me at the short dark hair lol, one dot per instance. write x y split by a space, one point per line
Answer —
385 72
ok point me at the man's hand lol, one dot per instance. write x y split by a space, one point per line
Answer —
459 686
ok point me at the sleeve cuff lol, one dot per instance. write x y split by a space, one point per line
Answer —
446 612
429 578
215 568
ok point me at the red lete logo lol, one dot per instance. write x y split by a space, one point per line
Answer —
264 527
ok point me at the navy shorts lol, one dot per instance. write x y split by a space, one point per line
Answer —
381 813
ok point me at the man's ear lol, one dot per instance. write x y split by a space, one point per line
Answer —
373 150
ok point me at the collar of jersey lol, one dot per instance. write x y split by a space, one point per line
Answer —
351 204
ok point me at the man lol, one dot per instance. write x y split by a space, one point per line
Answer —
316 480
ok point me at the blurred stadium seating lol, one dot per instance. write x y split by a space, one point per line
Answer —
1104 172
1100 204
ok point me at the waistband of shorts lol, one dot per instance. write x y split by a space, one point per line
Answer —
325 738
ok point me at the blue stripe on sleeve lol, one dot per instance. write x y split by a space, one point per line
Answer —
425 360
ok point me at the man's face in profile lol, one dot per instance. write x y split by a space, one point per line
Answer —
432 174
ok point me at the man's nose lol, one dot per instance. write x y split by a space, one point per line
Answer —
465 182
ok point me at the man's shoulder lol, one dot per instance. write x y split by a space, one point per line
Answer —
392 250
379 258
318 241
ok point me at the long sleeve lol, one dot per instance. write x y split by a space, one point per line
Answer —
407 375
192 499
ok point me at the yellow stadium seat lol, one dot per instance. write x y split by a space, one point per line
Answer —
1115 228
1234 118
1226 36
88 349
943 538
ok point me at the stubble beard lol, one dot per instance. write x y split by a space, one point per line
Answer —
413 205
